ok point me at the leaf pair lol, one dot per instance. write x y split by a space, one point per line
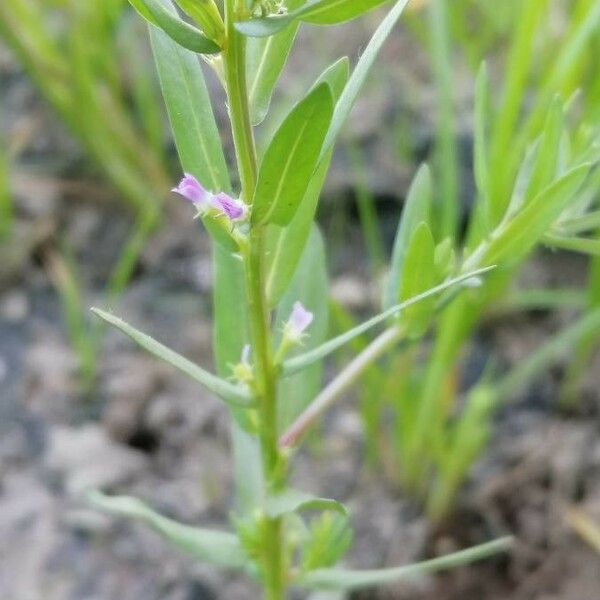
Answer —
316 12
224 549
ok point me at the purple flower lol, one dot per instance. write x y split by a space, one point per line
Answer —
299 320
233 209
191 189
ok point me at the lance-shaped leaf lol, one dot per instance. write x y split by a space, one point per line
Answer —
192 121
329 12
161 14
575 244
346 579
266 58
547 161
318 12
519 234
190 113
579 224
481 150
295 501
418 276
216 547
360 73
297 363
229 392
417 208
291 159
286 244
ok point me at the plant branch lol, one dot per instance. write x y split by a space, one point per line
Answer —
340 384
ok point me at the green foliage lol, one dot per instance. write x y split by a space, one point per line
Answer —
417 277
228 392
295 501
271 317
291 159
416 210
300 362
190 112
216 547
286 244
328 539
537 184
317 12
266 58
344 579
158 14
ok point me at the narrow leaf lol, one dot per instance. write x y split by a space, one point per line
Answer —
575 244
291 159
417 208
519 234
330 12
286 244
216 547
231 393
298 363
418 276
266 58
360 73
586 222
318 12
546 163
481 150
343 579
295 501
190 113
160 13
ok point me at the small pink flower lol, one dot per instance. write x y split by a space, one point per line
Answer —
233 209
298 322
191 189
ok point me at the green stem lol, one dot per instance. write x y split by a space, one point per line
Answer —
234 58
355 368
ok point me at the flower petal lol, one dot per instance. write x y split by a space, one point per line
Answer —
233 209
191 189
299 320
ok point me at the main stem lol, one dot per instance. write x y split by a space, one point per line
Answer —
234 57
